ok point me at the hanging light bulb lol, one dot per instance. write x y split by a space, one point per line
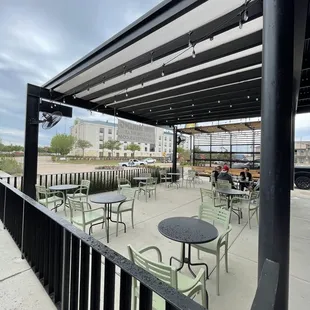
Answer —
114 100
245 15
74 96
170 108
230 106
162 72
256 99
194 53
152 54
142 85
240 24
219 101
126 93
211 38
209 111
133 112
193 104
64 100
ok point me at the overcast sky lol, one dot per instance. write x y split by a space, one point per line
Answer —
40 38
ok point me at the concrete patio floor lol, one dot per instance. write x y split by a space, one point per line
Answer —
237 288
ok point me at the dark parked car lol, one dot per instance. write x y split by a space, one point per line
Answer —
302 177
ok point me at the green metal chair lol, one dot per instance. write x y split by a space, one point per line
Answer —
81 214
49 198
148 187
125 206
122 183
219 217
164 177
250 204
82 192
168 274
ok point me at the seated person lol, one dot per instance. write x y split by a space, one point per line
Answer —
224 175
215 173
245 176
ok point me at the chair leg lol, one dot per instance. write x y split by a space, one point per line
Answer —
198 254
132 224
226 257
256 212
249 218
218 273
117 221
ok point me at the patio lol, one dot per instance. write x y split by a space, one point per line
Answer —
239 285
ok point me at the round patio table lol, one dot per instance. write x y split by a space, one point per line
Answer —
108 199
230 193
187 230
63 188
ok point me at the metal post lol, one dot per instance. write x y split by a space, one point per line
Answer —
277 88
174 154
210 150
253 149
230 148
31 143
194 154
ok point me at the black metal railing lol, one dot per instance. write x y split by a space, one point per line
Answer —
78 271
100 181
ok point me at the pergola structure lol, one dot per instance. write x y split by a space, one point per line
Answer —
193 61
225 142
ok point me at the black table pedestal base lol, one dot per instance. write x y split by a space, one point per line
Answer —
107 220
187 260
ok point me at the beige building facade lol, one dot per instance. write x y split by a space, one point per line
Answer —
98 132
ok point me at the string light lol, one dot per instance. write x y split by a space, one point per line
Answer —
64 100
211 38
193 104
126 93
209 111
248 97
256 99
240 24
194 53
150 110
230 106
133 112
170 108
74 96
189 39
162 72
219 101
152 54
142 85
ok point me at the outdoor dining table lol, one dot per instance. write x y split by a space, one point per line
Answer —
174 178
187 230
230 193
108 199
63 188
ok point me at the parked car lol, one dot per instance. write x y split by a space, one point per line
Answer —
150 160
132 163
302 177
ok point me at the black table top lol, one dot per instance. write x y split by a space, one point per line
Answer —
106 198
230 191
63 187
187 230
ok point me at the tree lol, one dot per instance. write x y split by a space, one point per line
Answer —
133 147
83 144
62 144
111 145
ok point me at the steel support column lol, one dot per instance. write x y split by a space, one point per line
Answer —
277 89
31 143
174 151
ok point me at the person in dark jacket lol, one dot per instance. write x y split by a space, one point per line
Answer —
245 176
216 172
224 175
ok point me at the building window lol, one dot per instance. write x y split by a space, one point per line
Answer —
109 138
100 138
145 149
101 130
159 138
110 131
125 155
169 150
165 138
159 149
169 144
152 147
117 155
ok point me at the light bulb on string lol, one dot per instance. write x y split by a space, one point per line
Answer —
193 52
189 39
142 84
152 54
126 93
240 24
162 72
245 15
211 38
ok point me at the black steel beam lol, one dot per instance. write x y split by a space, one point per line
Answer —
229 66
249 126
225 93
211 29
238 45
31 143
50 107
161 15
222 128
275 183
199 86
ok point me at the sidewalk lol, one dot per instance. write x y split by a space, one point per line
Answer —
19 287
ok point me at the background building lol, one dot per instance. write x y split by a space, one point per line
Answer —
98 132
